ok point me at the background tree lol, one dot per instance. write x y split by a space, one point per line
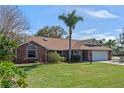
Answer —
121 42
71 19
110 43
43 32
53 32
13 22
113 44
102 41
121 38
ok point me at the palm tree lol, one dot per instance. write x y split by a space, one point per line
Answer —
71 19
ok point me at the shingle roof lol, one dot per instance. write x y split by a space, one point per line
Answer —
91 42
62 44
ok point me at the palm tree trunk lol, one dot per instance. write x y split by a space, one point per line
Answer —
70 32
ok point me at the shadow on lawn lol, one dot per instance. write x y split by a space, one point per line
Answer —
29 67
80 62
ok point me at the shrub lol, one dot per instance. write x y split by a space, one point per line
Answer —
63 59
53 57
121 59
75 58
7 48
11 76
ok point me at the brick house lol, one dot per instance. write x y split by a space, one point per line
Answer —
36 49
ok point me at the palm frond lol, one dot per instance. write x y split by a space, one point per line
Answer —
71 19
62 17
80 18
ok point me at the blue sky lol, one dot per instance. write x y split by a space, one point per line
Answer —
99 21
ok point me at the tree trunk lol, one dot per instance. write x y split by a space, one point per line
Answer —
70 32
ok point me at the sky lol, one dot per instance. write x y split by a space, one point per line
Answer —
100 21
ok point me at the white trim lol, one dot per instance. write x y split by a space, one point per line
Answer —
76 52
31 49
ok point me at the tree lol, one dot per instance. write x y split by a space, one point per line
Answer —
110 43
121 38
11 76
53 32
121 42
71 19
7 48
102 41
57 32
13 22
43 32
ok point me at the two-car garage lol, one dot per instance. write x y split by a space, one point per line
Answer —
99 55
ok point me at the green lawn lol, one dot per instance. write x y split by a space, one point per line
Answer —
77 75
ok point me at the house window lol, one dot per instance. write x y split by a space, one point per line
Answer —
32 51
75 52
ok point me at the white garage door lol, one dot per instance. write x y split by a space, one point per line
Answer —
99 55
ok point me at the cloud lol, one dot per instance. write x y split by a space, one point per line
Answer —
86 31
105 35
27 33
118 30
101 14
89 31
96 13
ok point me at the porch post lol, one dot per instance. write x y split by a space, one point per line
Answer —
80 54
62 53
90 56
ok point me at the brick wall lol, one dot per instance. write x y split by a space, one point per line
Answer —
22 54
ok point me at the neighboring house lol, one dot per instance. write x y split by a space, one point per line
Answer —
36 49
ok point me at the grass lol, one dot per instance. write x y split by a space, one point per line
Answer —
77 75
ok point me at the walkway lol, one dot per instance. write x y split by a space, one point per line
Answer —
110 62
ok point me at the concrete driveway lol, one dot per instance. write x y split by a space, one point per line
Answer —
115 60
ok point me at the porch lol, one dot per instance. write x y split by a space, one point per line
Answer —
84 54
